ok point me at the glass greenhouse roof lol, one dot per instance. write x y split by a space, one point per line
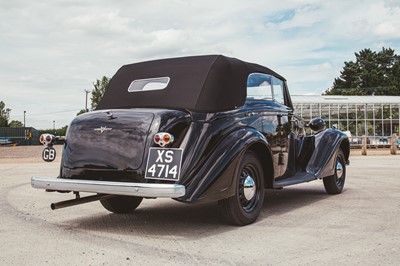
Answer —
298 99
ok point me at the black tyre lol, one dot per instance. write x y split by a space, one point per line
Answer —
245 206
334 184
121 204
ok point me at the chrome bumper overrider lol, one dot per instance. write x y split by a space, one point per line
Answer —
111 188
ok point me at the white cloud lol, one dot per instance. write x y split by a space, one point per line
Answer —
387 29
99 23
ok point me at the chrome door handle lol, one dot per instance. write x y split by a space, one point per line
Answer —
249 114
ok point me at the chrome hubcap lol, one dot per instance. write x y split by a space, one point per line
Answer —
339 169
249 188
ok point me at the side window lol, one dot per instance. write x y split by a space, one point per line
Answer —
259 86
265 87
277 85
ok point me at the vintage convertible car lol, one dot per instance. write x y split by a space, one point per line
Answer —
201 128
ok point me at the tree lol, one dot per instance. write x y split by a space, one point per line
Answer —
100 87
4 114
57 132
15 123
82 111
373 73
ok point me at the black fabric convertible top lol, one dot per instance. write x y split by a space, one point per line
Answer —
209 83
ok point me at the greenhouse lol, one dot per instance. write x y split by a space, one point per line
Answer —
377 117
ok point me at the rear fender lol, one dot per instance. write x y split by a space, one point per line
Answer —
217 175
327 145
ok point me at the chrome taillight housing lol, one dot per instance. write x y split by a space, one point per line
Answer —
46 139
163 138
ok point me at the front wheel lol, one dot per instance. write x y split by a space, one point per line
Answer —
334 184
121 204
245 206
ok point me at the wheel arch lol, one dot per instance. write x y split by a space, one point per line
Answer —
345 146
328 143
217 175
264 155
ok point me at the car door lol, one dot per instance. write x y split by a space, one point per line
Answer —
284 128
270 115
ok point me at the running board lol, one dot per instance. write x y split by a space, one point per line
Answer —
298 178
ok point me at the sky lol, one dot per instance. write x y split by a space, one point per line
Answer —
52 51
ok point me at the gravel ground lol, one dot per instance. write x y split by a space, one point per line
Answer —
298 225
26 154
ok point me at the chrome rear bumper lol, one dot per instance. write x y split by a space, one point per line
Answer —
111 188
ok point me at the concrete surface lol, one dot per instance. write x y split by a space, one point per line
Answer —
299 225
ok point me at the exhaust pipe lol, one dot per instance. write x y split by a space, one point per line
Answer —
79 200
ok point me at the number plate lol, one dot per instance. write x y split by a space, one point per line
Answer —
49 154
164 164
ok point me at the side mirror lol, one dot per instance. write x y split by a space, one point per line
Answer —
317 125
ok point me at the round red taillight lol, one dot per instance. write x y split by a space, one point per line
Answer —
157 138
41 138
167 138
48 138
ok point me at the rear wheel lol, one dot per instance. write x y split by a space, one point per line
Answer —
121 204
245 206
334 184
